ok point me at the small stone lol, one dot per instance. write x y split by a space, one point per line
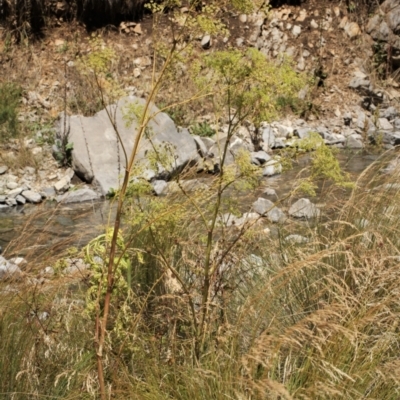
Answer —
353 142
8 269
12 185
138 29
271 168
11 202
296 31
3 169
159 186
206 42
303 208
62 185
136 72
49 271
352 30
20 199
59 42
243 18
78 196
313 24
12 194
36 150
384 124
270 192
20 261
294 238
29 170
48 192
302 16
31 196
260 157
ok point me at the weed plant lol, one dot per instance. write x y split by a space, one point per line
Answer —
315 320
10 95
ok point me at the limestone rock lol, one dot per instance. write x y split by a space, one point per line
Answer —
267 208
303 208
31 196
78 196
97 155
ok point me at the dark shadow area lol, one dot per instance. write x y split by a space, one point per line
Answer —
279 3
25 18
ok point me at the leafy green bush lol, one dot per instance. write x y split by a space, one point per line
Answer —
202 129
10 95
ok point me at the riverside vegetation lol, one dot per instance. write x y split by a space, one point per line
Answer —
178 305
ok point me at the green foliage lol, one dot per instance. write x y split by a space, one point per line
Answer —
202 129
99 59
253 85
10 95
324 164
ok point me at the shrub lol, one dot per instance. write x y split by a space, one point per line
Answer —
10 95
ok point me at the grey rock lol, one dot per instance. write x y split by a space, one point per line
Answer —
229 219
20 199
354 142
29 170
2 199
49 271
201 146
296 31
272 167
267 137
260 157
12 194
389 113
383 123
78 196
359 83
3 169
303 208
3 207
20 261
303 133
74 265
393 166
267 208
31 196
270 192
8 269
206 42
12 185
11 202
393 19
294 238
48 192
208 142
62 185
283 130
363 122
159 186
391 138
98 157
262 206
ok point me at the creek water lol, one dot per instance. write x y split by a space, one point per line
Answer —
30 228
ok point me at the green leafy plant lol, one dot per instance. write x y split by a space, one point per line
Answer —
202 129
10 96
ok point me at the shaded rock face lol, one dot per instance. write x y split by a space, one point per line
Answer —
385 28
98 154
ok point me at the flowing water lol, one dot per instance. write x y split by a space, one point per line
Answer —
57 226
